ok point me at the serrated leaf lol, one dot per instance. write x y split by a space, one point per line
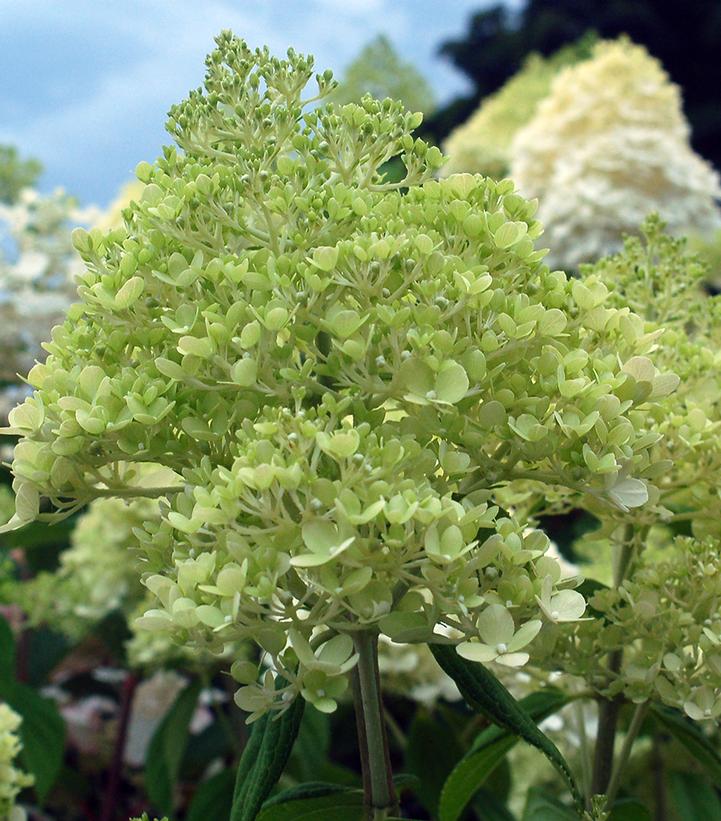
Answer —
264 759
347 804
167 746
484 692
487 752
692 738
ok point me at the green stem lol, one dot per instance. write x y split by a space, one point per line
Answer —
605 739
638 716
584 751
608 710
380 796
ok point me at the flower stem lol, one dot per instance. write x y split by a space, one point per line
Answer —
608 710
638 716
380 799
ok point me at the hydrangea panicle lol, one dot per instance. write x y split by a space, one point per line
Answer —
332 373
608 146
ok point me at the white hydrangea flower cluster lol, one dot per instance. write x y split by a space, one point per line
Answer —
12 780
482 144
608 146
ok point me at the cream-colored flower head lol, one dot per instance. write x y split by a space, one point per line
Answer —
482 145
608 146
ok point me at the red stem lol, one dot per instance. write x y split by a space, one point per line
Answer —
110 804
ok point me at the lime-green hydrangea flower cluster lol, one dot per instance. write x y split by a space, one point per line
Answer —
334 372
12 780
657 276
482 145
654 635
606 147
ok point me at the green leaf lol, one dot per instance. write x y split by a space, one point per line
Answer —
487 752
167 746
489 807
695 800
543 807
692 738
7 652
630 809
46 649
264 759
467 778
347 805
42 734
451 382
431 754
485 693
311 747
213 798
302 792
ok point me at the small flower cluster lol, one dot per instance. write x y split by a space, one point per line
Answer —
12 780
665 618
657 276
334 373
609 145
659 618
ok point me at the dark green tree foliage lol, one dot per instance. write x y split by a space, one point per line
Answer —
497 40
378 70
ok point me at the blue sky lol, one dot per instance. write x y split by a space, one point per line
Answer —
85 85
